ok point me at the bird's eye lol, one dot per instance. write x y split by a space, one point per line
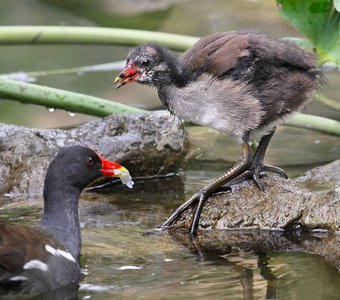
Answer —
146 62
89 161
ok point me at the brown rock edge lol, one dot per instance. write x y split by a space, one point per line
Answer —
309 201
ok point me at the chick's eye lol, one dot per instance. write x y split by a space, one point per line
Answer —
146 62
89 161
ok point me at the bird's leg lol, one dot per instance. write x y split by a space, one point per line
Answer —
202 195
227 188
257 166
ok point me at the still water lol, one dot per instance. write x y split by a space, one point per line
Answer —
123 256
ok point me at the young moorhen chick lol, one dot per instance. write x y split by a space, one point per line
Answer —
47 258
243 83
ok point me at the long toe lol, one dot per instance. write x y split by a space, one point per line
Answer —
222 190
276 170
258 170
255 176
179 211
228 187
255 172
203 196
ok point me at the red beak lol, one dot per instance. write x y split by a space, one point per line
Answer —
113 169
129 74
110 168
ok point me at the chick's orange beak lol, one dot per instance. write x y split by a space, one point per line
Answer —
129 74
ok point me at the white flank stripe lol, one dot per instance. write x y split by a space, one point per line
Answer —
18 278
59 252
36 264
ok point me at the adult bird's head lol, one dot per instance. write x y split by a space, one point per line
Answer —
78 166
149 64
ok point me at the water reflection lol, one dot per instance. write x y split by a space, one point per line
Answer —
249 256
124 258
218 265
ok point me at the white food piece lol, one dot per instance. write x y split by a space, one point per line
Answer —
126 179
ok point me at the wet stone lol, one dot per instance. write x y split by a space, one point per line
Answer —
146 144
284 203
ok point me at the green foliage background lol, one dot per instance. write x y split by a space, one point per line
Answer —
319 20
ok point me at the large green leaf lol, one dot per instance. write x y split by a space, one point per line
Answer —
318 20
337 5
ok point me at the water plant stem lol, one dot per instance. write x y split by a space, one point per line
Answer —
56 98
316 123
15 35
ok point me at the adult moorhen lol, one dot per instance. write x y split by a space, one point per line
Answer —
243 83
47 257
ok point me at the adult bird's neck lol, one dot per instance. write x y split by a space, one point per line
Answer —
60 216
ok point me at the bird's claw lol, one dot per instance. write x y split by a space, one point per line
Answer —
257 171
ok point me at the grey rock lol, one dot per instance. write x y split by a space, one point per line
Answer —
146 144
311 201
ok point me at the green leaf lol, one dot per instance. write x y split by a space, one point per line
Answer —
337 5
318 20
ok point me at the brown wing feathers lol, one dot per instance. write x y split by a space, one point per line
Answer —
218 53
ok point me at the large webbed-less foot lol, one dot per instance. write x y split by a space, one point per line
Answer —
200 198
256 171
257 168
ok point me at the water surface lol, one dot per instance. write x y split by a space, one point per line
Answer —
125 258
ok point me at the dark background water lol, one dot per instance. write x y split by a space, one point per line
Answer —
121 261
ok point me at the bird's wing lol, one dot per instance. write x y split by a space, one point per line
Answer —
25 254
218 54
280 52
17 245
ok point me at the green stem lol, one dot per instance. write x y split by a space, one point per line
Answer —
315 123
56 98
14 35
328 102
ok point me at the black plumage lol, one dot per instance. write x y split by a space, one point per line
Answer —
46 258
